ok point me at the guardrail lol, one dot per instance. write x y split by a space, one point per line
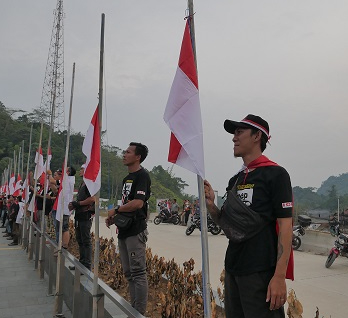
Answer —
73 287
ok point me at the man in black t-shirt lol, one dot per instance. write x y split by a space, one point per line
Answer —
132 241
84 207
256 268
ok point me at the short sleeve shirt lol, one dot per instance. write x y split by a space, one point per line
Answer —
268 191
136 185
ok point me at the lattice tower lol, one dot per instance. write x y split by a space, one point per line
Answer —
53 87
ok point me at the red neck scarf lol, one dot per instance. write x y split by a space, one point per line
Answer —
263 161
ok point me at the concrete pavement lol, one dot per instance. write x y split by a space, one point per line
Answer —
314 285
22 293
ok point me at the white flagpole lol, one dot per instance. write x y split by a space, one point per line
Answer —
201 194
33 198
96 230
60 262
25 231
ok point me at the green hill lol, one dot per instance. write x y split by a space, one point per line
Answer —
15 131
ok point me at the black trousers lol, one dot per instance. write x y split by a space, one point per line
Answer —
83 238
245 296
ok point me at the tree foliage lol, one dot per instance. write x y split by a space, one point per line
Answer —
14 131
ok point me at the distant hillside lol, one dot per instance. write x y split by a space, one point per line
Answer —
340 182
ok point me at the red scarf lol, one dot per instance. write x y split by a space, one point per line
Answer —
263 161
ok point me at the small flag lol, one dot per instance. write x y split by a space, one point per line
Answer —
183 113
91 149
39 168
12 184
18 186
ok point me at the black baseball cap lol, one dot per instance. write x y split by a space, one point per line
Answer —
250 120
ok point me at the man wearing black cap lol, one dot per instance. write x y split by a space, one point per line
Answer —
256 267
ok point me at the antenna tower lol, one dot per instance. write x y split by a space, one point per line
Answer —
53 87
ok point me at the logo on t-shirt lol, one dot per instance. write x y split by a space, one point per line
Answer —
287 205
245 193
141 192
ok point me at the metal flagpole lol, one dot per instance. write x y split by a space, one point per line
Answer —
25 220
201 194
58 307
96 296
33 198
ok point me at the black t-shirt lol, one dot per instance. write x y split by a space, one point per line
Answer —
84 212
266 190
49 201
137 185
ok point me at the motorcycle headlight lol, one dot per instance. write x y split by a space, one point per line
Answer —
341 240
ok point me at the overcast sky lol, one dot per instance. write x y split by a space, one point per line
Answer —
283 60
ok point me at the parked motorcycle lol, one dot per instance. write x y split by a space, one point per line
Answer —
299 230
340 245
165 217
196 223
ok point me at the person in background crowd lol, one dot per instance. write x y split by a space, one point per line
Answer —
84 211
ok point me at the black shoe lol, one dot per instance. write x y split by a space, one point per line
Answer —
13 244
9 238
4 231
2 226
72 268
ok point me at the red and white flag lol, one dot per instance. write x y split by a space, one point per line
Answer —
39 168
91 149
183 113
64 196
26 192
48 161
18 186
12 184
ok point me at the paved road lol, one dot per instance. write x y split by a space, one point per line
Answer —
315 285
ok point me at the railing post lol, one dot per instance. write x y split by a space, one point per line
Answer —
37 249
76 294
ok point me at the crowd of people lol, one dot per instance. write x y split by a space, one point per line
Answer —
15 207
259 255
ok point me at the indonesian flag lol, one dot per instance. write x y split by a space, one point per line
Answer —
48 161
39 168
18 186
25 193
6 189
12 184
64 196
91 149
183 113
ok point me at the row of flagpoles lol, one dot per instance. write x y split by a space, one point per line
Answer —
183 117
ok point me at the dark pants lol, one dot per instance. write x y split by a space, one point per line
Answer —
4 216
83 238
187 214
133 259
245 296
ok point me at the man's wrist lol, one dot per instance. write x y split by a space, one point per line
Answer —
116 209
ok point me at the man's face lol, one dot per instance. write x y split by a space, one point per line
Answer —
82 170
243 142
129 156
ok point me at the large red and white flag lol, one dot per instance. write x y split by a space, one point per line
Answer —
40 167
47 164
183 113
18 186
91 149
12 184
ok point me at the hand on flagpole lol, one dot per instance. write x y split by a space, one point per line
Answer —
209 195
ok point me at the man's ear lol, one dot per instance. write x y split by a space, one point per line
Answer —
258 135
